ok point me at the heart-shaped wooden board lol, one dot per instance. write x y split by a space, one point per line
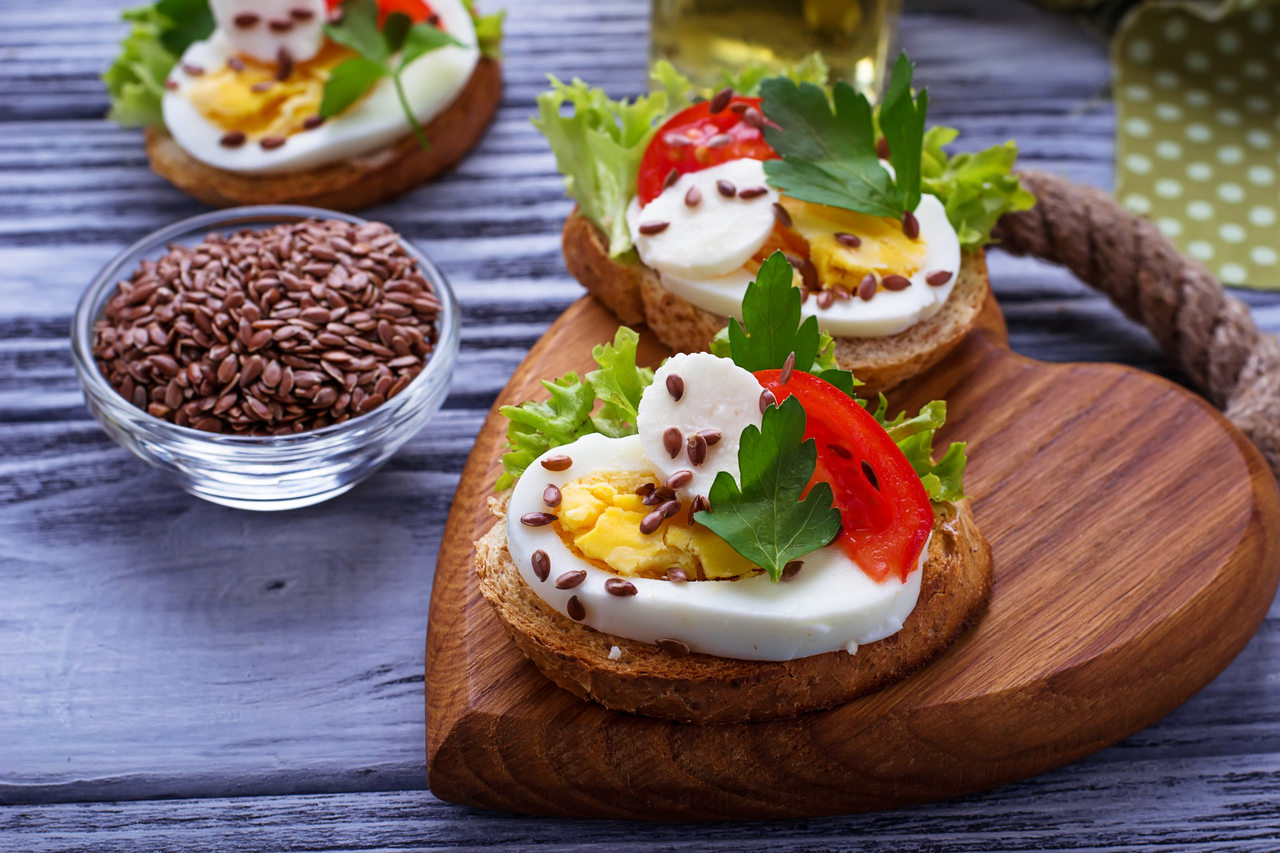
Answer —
1136 536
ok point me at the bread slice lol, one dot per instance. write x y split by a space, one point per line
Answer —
348 184
633 292
704 689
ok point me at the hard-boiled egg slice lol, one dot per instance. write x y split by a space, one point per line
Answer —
707 223
830 605
230 112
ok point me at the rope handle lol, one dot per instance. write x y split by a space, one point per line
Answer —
1210 333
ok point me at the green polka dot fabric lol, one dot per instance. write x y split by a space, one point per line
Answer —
1197 89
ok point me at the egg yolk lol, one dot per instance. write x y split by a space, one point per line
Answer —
251 100
885 250
599 520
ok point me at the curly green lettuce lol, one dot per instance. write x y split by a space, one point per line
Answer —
488 30
536 426
159 36
975 188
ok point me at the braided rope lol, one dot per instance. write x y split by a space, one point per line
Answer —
1210 333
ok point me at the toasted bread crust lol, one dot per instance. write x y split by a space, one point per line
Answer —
348 184
634 292
698 688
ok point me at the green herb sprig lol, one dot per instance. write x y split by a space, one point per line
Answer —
381 52
828 147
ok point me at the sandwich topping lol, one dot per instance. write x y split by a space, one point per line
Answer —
871 212
742 504
274 86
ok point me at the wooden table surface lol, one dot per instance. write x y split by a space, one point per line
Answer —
175 675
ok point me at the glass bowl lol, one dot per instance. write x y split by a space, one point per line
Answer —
261 472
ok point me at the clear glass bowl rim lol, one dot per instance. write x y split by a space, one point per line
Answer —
438 369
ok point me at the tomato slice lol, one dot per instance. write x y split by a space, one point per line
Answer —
416 10
883 505
681 144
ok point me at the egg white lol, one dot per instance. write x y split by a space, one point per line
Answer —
831 605
888 313
431 83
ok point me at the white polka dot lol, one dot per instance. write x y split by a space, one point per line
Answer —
1228 41
1199 210
1137 163
1260 19
1168 149
1231 232
1139 204
1254 69
1169 227
1258 138
1168 112
1261 176
1263 256
1227 85
1138 127
1230 118
1200 250
1137 92
1175 29
1140 50
1230 154
1199 171
1232 274
1166 80
1197 98
1262 216
1168 188
1230 192
1257 104
1198 132
1196 61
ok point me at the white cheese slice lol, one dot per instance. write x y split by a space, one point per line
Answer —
713 237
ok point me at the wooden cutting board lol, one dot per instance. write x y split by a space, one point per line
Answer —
1137 548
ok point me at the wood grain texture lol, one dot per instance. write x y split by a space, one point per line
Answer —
1134 534
148 648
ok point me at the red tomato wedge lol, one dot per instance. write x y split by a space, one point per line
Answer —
416 10
883 506
681 144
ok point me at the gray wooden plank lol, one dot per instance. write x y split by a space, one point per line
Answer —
154 646
1089 806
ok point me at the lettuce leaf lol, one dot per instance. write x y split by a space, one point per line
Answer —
618 383
488 30
598 145
536 426
975 188
811 69
158 37
942 480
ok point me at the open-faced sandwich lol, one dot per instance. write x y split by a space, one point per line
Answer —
679 204
734 536
334 104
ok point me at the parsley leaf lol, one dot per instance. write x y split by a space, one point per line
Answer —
902 123
771 312
828 148
376 51
192 21
828 154
769 518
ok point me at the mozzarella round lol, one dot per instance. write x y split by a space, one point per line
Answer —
713 237
262 28
717 395
431 83
888 313
830 605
